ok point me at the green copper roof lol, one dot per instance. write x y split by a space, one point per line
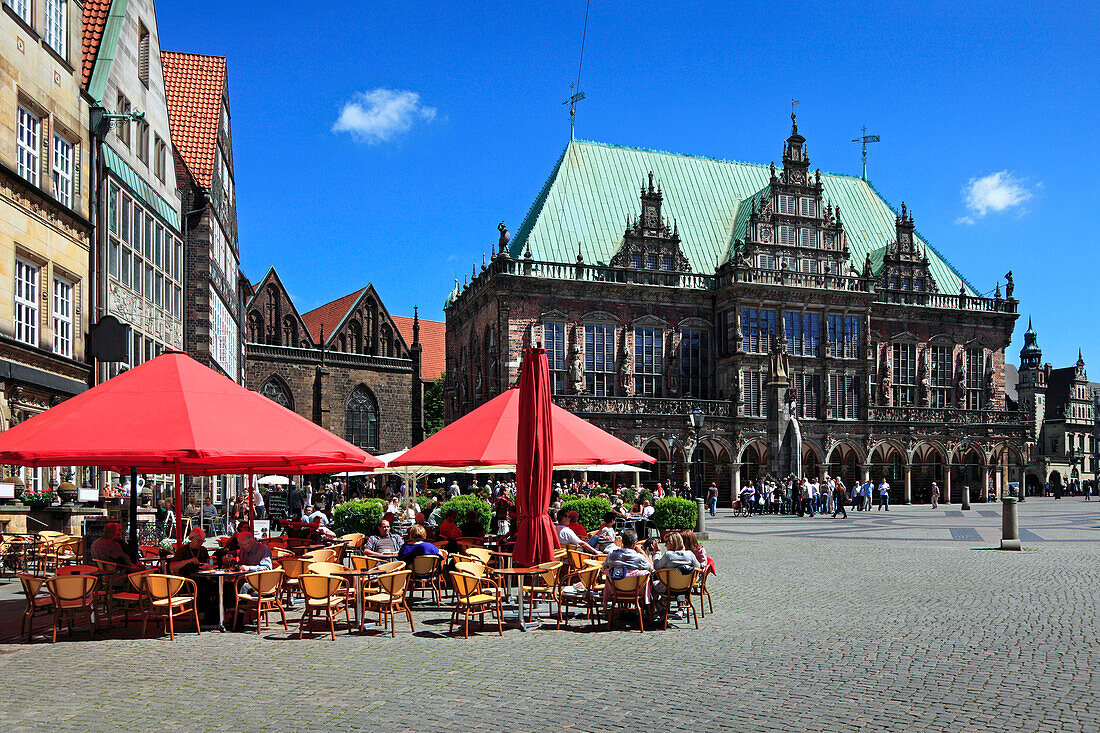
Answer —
140 187
594 188
108 47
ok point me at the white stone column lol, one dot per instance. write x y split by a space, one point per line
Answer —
947 483
908 498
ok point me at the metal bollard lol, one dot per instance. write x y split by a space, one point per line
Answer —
701 520
1010 527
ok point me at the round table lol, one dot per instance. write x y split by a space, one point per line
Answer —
520 574
221 575
356 576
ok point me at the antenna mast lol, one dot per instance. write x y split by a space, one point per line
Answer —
864 139
577 95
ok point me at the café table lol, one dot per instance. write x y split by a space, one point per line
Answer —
519 574
357 576
221 575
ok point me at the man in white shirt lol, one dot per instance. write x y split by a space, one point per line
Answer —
567 536
884 495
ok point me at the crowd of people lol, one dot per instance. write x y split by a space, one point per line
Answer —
811 496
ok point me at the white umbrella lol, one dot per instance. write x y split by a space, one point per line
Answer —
274 481
609 468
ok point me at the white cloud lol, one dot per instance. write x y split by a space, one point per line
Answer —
996 192
381 114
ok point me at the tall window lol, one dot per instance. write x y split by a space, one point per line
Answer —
788 236
793 322
939 378
905 375
844 337
22 8
808 237
553 339
807 206
143 54
55 25
752 392
757 330
224 338
975 375
694 363
599 359
159 157
844 396
803 332
143 141
62 317
808 390
30 127
786 203
361 419
649 361
63 170
26 302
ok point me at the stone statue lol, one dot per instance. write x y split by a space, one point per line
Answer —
672 373
960 379
738 334
779 366
505 237
626 371
886 378
1009 285
924 380
987 387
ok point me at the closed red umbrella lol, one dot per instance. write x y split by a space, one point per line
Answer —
535 539
487 437
172 415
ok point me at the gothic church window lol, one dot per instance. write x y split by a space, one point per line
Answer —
361 419
276 391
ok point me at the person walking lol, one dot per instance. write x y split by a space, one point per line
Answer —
840 497
808 497
884 495
935 495
712 498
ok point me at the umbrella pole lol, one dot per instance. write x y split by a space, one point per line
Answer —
248 483
133 514
179 507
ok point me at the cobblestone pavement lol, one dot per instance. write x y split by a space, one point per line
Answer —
860 631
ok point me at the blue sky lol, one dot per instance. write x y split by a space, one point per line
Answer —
382 142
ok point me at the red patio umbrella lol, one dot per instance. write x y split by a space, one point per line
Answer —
172 415
487 437
535 539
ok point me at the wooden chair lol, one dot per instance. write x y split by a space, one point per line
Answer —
700 589
67 551
582 588
264 597
425 575
471 598
293 568
323 593
390 567
677 589
576 558
150 555
390 600
546 587
354 541
326 568
325 555
37 604
167 602
278 553
338 551
465 543
479 553
476 569
77 570
626 594
134 596
73 596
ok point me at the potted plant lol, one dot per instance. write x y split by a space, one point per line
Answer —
673 514
38 498
589 511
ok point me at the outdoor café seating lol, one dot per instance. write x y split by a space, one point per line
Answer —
471 598
677 587
626 595
167 602
263 598
73 597
425 575
582 589
292 567
699 588
134 597
545 588
390 599
324 594
37 604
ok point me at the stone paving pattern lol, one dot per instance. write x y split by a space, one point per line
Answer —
856 628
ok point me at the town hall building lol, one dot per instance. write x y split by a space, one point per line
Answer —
800 315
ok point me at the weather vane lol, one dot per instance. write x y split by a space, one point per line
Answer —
864 139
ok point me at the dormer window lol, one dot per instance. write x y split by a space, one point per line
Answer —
651 262
786 203
636 261
666 263
787 236
809 237
807 206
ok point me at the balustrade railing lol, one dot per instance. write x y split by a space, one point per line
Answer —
664 406
946 415
293 353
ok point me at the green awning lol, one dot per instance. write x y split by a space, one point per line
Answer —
142 190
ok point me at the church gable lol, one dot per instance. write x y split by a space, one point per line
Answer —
272 319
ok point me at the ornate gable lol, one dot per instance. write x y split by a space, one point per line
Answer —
648 242
905 268
272 319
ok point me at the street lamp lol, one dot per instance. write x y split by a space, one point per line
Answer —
695 421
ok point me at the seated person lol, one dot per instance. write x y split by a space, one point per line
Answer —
626 561
619 510
567 536
190 510
209 511
675 556
416 544
383 544
435 516
448 530
604 537
109 548
575 524
472 527
253 556
192 556
319 534
647 509
650 549
313 513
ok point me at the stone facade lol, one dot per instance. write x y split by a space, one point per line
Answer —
44 213
893 372
361 381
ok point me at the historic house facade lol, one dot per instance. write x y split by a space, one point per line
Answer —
807 320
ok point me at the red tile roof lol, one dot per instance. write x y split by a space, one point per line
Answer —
193 85
433 342
95 18
329 315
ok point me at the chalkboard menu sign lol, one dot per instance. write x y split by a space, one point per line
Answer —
276 504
